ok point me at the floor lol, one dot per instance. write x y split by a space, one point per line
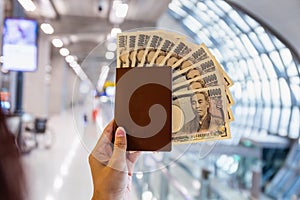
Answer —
62 172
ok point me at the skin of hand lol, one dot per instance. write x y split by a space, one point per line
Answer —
112 166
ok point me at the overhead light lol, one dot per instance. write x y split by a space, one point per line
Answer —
47 9
28 5
147 195
197 184
57 43
82 76
74 64
64 51
139 175
109 55
112 46
4 71
70 59
47 28
118 12
48 68
114 32
77 69
121 10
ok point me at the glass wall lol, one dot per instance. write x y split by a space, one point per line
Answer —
266 89
265 71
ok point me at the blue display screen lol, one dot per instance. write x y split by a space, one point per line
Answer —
19 44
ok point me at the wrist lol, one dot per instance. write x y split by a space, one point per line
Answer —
98 196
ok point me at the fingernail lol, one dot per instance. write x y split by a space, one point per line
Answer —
120 132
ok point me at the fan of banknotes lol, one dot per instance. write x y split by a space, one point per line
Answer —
201 98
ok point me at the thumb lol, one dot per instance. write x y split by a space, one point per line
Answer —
120 139
118 159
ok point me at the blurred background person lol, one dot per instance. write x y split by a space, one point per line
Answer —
12 182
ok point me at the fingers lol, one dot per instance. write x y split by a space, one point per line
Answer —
118 159
103 149
106 136
107 132
133 156
131 159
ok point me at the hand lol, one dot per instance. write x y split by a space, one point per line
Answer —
112 166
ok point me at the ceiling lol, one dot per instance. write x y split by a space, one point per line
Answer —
82 24
282 16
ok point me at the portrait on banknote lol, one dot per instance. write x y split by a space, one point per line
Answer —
203 120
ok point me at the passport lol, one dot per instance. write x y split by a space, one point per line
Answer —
143 104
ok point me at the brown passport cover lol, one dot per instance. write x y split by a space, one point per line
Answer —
139 91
